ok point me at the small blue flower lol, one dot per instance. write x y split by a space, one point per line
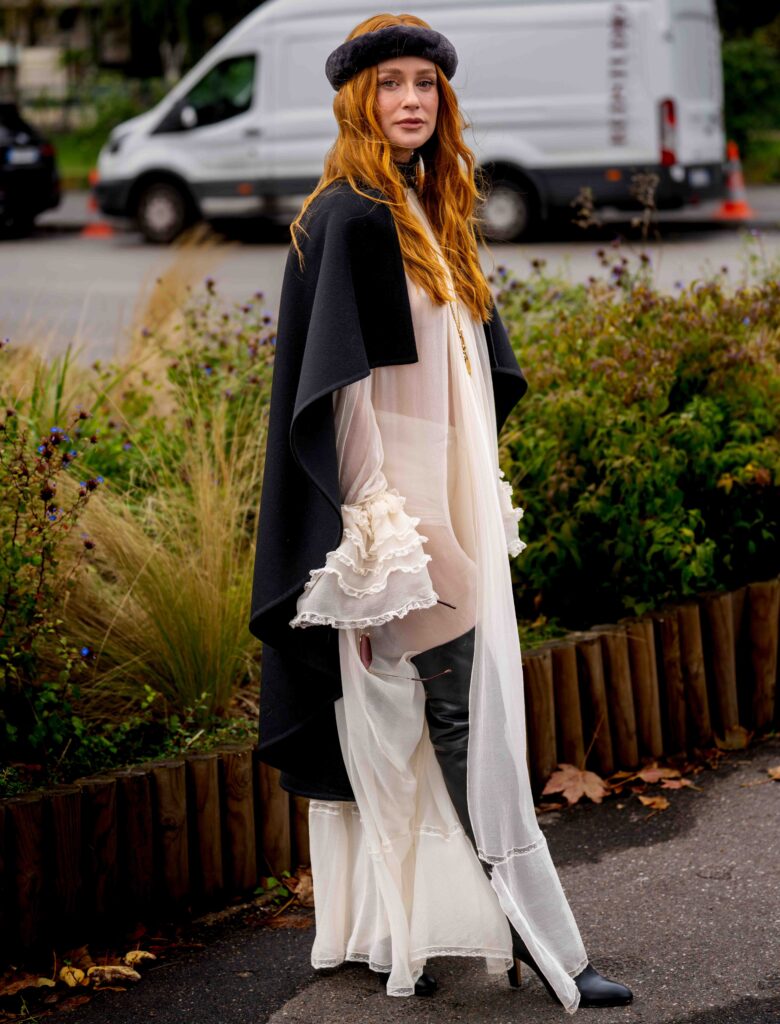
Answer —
127 445
41 448
99 479
746 320
85 651
82 483
56 430
73 453
52 517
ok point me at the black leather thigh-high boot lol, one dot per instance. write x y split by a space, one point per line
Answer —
445 672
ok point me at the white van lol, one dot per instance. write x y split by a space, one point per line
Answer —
560 94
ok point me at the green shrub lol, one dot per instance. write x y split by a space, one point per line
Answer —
751 83
647 452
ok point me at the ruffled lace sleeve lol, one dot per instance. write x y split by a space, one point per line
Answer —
511 517
379 571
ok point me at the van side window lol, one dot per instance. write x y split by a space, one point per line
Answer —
225 91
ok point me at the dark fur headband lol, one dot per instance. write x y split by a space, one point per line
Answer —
394 41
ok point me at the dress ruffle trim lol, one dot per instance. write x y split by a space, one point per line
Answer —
379 571
511 517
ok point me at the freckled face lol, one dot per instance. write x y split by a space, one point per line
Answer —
407 103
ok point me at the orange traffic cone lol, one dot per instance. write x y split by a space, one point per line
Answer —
736 205
95 227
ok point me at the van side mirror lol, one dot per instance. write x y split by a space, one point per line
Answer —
188 116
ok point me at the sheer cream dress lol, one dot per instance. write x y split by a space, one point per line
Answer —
428 518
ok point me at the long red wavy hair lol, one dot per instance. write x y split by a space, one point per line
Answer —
362 155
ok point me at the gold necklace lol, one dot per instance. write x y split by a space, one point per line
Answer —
456 318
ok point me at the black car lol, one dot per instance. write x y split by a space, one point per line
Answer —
29 182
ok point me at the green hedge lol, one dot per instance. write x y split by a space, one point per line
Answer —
646 452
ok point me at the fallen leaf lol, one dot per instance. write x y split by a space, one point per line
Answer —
302 886
575 783
660 803
654 774
737 737
774 773
16 984
113 972
290 921
72 976
543 808
678 784
135 956
73 1002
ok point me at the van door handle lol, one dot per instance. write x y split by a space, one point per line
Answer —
252 133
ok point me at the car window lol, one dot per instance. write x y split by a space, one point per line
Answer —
10 118
224 91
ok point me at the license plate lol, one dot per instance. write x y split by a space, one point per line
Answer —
23 156
699 177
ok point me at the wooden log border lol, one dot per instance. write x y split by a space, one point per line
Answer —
169 837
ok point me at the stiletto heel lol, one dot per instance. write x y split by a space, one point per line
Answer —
515 974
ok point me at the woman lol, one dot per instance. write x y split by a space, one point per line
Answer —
392 683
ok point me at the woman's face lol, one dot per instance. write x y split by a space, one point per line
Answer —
407 103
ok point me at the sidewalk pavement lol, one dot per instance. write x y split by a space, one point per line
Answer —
682 905
73 213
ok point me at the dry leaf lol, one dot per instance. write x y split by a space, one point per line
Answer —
575 783
302 886
135 956
774 773
79 957
113 972
737 738
543 808
660 803
72 1002
290 921
678 784
15 983
72 976
655 774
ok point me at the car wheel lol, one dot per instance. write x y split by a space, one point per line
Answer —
163 212
510 211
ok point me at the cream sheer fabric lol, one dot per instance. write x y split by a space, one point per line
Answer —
396 879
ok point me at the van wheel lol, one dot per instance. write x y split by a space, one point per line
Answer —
510 211
163 212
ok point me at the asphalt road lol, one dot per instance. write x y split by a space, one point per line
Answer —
58 287
682 905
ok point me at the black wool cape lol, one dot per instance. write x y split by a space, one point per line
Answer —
344 313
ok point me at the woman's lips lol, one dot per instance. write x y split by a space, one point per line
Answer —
410 124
